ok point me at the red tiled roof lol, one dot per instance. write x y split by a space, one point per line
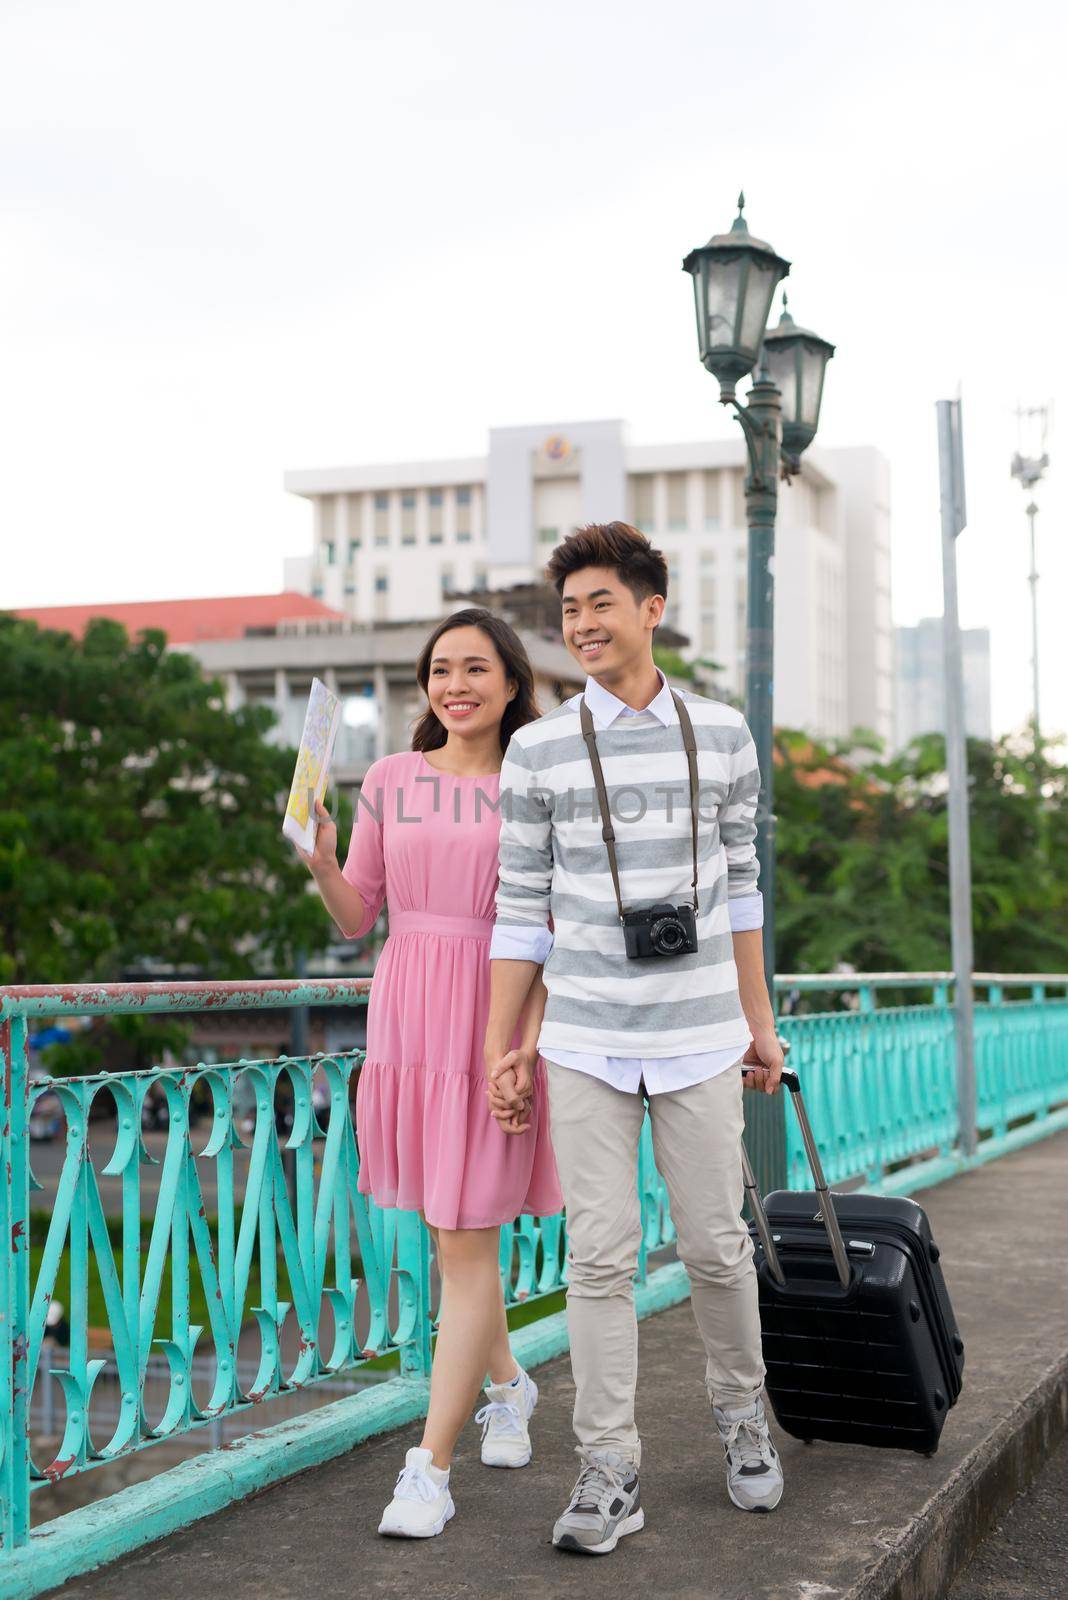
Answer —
187 621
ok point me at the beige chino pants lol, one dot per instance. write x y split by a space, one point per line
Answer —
697 1143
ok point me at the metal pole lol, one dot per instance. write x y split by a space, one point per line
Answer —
14 1288
761 424
951 487
763 411
1032 512
298 1046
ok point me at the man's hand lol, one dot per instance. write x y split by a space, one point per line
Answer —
510 1121
510 1089
762 1063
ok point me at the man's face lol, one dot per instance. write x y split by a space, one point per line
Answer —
604 626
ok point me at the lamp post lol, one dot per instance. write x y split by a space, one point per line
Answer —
734 279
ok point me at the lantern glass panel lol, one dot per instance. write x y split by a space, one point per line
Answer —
813 363
761 279
700 306
782 366
721 284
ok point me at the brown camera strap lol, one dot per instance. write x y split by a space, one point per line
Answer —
607 831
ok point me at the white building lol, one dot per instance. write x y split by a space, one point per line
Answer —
921 697
392 543
371 669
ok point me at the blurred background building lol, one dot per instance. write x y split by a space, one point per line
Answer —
372 668
396 548
266 648
921 703
404 542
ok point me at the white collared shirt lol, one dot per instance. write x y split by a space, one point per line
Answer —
627 1073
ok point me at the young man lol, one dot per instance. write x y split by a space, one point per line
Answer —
662 1012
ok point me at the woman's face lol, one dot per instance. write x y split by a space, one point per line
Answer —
467 688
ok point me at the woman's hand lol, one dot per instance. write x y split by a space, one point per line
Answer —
510 1089
510 1121
324 855
513 1075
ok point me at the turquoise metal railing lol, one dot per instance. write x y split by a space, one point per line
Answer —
880 1081
302 1268
324 1282
364 1269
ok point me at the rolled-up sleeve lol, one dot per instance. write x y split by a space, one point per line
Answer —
746 912
365 864
520 944
524 885
737 827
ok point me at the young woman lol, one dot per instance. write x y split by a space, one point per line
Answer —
425 839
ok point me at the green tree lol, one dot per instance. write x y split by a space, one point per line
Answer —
862 869
142 818
670 662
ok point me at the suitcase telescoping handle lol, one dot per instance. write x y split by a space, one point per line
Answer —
830 1218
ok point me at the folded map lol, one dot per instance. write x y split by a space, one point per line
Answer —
321 722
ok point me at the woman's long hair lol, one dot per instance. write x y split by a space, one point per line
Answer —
523 707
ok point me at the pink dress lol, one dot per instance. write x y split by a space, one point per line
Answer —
427 842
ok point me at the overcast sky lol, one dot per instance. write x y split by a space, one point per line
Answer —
237 238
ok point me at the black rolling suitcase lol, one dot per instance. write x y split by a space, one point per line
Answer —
859 1338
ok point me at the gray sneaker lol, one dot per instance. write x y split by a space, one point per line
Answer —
754 1476
604 1505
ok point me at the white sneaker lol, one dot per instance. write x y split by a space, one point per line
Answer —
504 1419
754 1474
420 1508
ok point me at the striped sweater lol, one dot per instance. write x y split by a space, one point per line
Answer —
554 863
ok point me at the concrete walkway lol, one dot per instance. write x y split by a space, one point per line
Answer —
851 1523
1025 1557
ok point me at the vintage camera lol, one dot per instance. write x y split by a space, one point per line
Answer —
660 931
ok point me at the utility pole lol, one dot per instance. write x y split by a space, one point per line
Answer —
954 519
1029 472
1032 578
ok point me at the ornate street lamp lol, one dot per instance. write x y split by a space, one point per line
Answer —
734 280
796 360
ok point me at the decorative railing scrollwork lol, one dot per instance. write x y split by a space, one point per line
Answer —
235 1251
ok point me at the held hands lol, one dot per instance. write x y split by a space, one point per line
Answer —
510 1089
762 1063
324 854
